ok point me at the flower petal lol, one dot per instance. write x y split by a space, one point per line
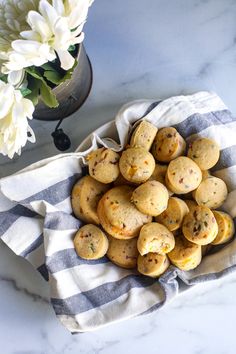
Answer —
15 77
66 59
39 25
59 7
6 98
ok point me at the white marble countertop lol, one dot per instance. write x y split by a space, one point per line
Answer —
139 49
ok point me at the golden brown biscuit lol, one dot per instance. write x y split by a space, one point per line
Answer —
150 198
152 264
186 255
143 135
155 238
84 198
123 253
118 216
168 145
137 165
183 175
212 192
173 216
205 152
75 199
200 226
226 228
91 192
104 165
90 242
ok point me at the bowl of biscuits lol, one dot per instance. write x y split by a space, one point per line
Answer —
152 205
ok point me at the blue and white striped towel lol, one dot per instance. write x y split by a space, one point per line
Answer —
36 220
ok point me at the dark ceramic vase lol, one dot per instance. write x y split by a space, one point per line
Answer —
71 94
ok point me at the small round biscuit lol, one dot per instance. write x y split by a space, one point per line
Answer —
123 253
200 226
118 216
183 175
226 228
168 145
84 199
173 216
190 203
104 165
143 135
75 200
137 165
153 264
90 242
205 152
150 198
186 255
155 238
212 192
91 192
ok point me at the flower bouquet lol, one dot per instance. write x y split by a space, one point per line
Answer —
38 51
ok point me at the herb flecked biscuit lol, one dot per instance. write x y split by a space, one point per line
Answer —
168 145
84 199
212 192
155 238
205 152
90 242
153 264
137 165
118 216
75 200
150 198
143 135
200 226
226 228
91 192
183 175
104 165
123 253
186 255
173 216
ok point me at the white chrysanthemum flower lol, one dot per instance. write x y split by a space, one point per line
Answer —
15 110
54 28
13 16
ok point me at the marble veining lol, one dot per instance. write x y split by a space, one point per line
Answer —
139 49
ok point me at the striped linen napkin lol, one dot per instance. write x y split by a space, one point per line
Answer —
36 220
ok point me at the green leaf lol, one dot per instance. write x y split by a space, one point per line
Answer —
53 76
35 90
48 96
3 77
72 48
25 91
39 85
